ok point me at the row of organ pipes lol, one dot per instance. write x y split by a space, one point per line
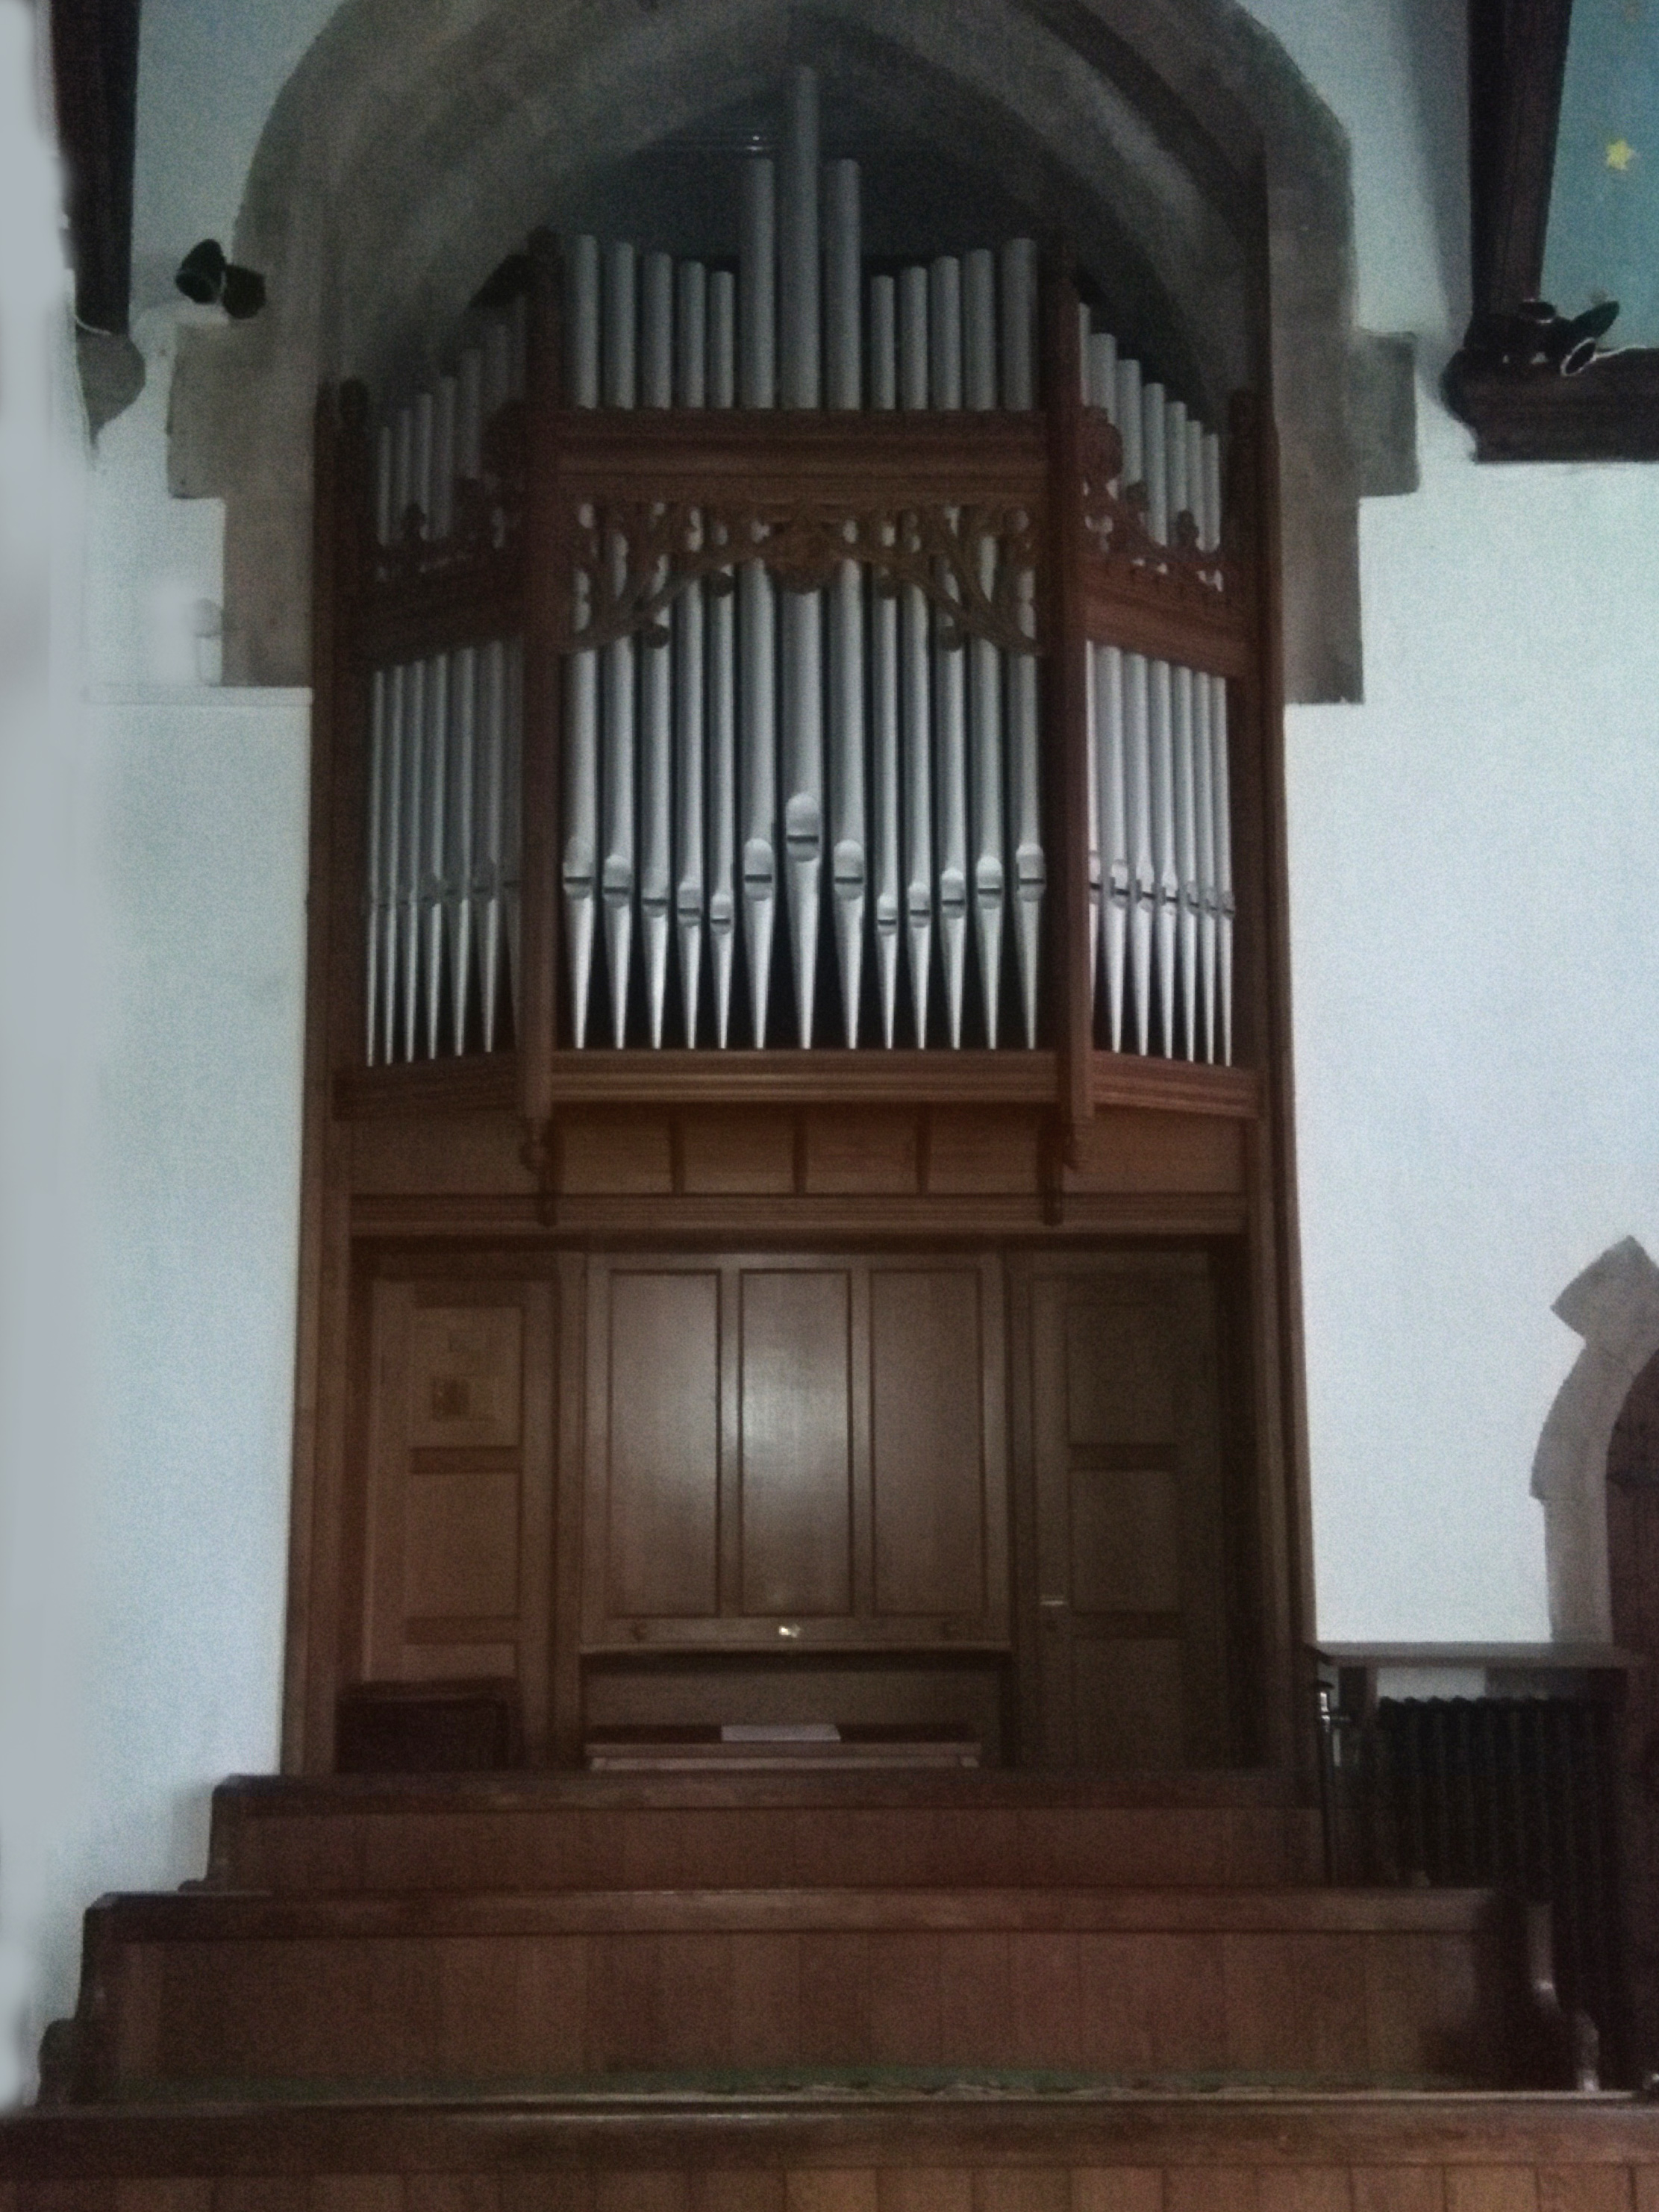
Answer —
855 720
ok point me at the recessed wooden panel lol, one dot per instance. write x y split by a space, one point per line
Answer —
663 1463
1120 1374
1129 1614
1125 1542
461 1545
861 1153
451 1154
927 1440
796 1448
1129 1702
737 1153
1130 1150
981 1151
465 1376
616 1154
456 1550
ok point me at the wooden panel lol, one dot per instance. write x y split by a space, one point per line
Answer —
1129 1700
796 1441
616 1154
1119 1368
736 1153
861 1153
1125 1149
452 1153
661 1376
928 1440
457 1528
1126 1540
986 1151
1121 1422
461 1546
465 1376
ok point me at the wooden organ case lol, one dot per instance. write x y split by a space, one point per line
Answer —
879 1308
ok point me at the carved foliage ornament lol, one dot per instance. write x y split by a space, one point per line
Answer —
487 522
1119 541
625 561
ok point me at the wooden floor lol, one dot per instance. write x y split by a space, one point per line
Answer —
798 1993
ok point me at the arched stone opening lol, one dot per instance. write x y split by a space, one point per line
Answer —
1195 173
1614 1306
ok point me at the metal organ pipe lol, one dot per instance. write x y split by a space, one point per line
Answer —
950 671
849 833
800 385
722 686
885 689
1111 799
690 889
914 689
757 626
618 878
656 678
1019 390
581 676
984 671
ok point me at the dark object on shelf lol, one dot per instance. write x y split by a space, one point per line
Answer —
207 277
1533 339
426 1728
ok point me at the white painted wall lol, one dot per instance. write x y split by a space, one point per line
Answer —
152 863
1476 971
1475 943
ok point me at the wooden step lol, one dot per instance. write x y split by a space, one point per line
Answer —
230 1990
876 2152
573 1832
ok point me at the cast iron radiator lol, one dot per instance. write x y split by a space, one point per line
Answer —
1512 1793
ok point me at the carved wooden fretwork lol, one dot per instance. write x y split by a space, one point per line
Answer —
1122 548
623 563
487 525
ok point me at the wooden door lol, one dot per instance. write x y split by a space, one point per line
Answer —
1117 1358
459 1537
795 1449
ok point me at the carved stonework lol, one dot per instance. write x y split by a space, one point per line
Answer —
627 560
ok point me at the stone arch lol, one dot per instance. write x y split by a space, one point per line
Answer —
418 140
1614 1306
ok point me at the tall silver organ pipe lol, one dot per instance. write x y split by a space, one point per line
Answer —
949 672
579 865
884 691
722 687
617 879
802 659
844 382
686 733
985 673
915 700
757 627
1019 298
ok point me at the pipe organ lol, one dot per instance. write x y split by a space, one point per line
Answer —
796 1144
804 771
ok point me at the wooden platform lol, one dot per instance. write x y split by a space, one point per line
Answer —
811 1992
